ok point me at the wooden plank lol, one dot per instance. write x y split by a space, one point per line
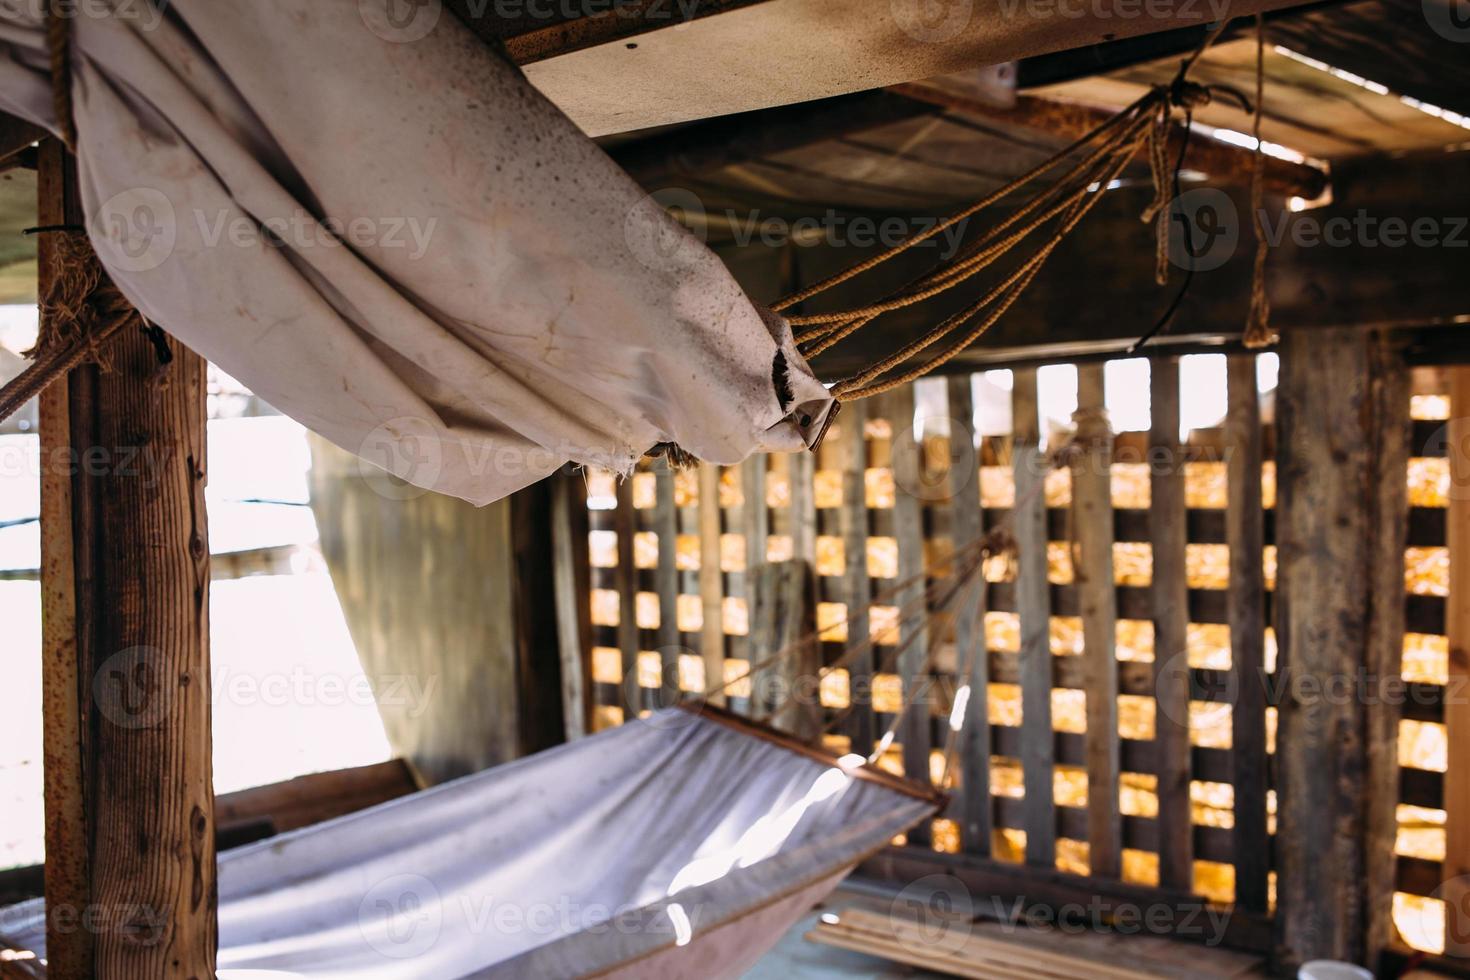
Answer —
856 587
572 577
1170 595
1093 508
786 693
1457 627
915 730
67 600
140 567
998 885
966 525
625 577
411 571
1247 610
315 797
1384 661
801 511
1033 606
666 579
1323 597
711 584
755 515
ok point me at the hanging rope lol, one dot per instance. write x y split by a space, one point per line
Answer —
1034 229
1258 332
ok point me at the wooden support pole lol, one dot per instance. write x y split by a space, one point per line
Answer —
572 589
915 731
711 581
1456 873
785 693
1392 435
1033 607
1331 464
625 524
1170 594
966 525
1245 535
857 588
666 579
125 640
1093 509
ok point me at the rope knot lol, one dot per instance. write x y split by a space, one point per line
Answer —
1189 95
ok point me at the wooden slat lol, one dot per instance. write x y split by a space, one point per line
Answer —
755 515
782 619
1171 618
916 729
1457 627
1246 600
801 512
1324 470
66 602
625 523
711 585
1092 502
140 563
572 598
1384 659
857 590
1033 604
966 523
666 578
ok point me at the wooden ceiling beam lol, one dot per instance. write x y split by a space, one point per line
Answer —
1068 121
702 148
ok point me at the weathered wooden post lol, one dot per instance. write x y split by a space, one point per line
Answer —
130 860
1341 525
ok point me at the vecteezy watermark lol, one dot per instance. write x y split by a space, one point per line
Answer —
146 464
300 231
1450 19
1197 920
401 21
403 916
920 470
138 230
140 687
405 21
1365 230
306 688
932 21
1204 229
1174 11
146 14
1452 440
666 230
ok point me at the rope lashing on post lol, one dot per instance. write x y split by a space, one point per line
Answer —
81 313
82 310
1045 219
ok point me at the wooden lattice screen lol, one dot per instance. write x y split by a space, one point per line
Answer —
1129 655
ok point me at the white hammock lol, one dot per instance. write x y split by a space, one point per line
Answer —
681 845
393 238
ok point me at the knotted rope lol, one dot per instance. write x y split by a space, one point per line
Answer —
1258 332
81 312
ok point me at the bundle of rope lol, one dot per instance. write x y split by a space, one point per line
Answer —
81 312
1034 228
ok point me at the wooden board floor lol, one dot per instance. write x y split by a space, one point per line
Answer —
799 959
